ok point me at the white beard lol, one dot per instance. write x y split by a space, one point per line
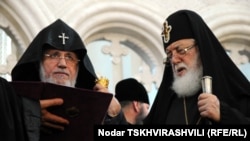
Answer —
190 83
51 80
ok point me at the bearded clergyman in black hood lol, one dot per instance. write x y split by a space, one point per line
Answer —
194 53
57 55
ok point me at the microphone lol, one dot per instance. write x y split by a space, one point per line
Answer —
206 83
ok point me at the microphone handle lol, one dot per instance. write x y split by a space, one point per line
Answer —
207 88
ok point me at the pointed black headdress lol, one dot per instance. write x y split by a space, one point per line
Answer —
60 36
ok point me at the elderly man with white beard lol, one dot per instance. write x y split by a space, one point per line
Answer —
193 52
57 55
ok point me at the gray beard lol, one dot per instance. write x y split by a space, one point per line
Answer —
51 80
190 83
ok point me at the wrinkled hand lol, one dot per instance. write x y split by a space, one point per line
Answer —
209 106
114 106
49 119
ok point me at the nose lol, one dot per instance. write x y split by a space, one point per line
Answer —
62 62
175 58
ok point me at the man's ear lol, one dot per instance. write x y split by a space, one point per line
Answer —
136 105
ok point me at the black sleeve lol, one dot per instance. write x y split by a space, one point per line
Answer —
231 115
12 126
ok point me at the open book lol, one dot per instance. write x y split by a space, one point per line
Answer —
83 108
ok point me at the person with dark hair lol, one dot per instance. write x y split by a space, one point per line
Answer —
57 55
193 53
134 100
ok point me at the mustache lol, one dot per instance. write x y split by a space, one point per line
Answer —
62 71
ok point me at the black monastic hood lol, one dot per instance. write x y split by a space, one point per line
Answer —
27 68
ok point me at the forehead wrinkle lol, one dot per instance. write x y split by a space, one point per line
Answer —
180 43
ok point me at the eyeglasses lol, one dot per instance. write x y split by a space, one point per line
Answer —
68 58
179 51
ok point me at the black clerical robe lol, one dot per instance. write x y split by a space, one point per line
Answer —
11 120
183 111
